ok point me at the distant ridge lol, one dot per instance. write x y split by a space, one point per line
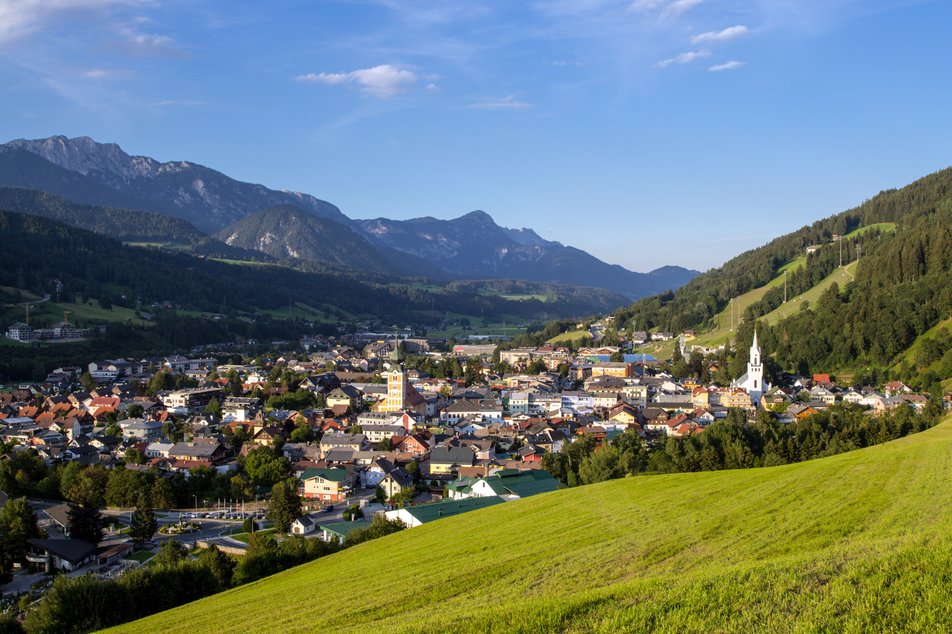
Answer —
472 246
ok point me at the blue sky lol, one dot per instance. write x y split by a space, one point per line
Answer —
647 132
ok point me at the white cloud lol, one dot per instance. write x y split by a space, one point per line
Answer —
104 74
684 58
679 7
729 33
508 102
731 65
19 18
664 8
381 81
140 43
165 103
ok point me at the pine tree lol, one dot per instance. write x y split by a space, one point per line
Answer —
85 522
285 505
143 524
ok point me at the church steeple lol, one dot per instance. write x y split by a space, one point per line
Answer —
755 351
755 369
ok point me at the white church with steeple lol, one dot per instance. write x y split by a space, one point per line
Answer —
753 380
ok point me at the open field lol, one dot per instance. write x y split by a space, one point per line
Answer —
909 355
857 542
661 350
572 336
49 312
723 333
842 276
885 227
477 326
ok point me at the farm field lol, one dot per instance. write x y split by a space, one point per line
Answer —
861 541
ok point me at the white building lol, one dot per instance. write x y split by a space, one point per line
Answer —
753 380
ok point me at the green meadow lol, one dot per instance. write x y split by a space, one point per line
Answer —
857 542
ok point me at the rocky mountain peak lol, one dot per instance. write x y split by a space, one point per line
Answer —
86 156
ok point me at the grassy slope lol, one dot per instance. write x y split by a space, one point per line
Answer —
909 355
723 333
573 335
842 276
861 541
884 227
48 313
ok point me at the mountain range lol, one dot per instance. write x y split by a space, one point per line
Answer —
293 225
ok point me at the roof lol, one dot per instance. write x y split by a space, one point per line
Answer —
333 475
59 514
452 455
194 450
526 483
430 512
343 529
71 550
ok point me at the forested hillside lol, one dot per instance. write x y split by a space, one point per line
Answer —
901 290
37 250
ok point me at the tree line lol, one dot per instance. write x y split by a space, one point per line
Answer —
737 443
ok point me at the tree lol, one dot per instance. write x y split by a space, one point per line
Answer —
87 381
133 455
221 565
352 512
85 522
604 464
17 525
285 504
379 527
124 487
143 524
170 553
213 408
264 467
161 495
86 486
135 411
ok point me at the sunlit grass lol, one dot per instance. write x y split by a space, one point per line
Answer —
861 541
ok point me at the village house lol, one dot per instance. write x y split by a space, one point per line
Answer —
326 485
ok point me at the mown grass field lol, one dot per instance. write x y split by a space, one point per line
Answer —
857 542
909 355
841 276
723 332
46 314
884 227
571 336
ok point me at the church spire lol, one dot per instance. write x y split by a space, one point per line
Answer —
754 345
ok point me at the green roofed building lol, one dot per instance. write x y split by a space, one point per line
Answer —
508 484
329 485
340 530
418 515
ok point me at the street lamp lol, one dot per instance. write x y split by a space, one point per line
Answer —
196 500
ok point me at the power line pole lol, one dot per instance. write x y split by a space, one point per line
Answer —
784 287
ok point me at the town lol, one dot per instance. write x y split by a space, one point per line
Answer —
367 437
